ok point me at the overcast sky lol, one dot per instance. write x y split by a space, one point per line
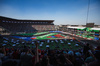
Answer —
62 11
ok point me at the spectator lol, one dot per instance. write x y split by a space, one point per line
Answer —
15 54
85 50
26 58
2 54
97 61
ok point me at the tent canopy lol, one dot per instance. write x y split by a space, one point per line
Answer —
87 29
77 27
95 29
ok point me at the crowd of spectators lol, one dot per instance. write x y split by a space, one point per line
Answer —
26 27
26 56
44 27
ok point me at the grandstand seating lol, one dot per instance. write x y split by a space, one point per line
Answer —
44 27
26 26
4 31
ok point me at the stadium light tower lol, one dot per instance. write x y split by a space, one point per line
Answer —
88 11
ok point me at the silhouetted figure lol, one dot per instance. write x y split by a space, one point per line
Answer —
85 50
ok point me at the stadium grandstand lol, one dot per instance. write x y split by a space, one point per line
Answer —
41 43
87 31
25 26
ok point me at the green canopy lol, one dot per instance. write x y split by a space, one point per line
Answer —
82 28
96 30
88 29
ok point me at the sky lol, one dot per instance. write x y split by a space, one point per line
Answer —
63 12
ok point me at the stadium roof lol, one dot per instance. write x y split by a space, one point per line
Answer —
95 28
7 18
77 27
